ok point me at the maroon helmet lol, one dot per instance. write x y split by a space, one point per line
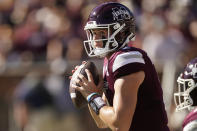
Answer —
117 20
186 97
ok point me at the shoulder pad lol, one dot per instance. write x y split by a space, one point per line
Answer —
127 58
191 126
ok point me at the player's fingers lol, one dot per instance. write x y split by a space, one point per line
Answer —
77 87
76 67
90 78
73 71
80 82
74 85
82 77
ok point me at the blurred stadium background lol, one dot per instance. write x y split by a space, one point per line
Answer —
41 41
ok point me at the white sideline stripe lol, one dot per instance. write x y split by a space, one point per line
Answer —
73 95
126 58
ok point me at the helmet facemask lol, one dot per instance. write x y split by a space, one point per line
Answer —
110 42
183 97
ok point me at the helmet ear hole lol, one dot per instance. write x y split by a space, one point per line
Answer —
195 75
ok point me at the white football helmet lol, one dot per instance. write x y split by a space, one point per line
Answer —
186 97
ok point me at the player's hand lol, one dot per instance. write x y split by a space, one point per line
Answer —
87 86
76 67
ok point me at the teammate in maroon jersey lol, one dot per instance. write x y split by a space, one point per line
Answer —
186 96
190 121
133 98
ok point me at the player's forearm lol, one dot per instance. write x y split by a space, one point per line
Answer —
116 118
110 117
97 119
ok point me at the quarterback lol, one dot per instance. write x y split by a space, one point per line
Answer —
130 97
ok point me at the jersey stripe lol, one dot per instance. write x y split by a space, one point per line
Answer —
127 58
191 126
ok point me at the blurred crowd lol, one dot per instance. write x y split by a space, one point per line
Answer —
51 32
33 30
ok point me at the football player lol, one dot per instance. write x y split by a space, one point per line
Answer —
133 97
186 96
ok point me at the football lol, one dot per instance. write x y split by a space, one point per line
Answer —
77 98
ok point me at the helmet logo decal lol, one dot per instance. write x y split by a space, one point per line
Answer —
193 72
120 13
